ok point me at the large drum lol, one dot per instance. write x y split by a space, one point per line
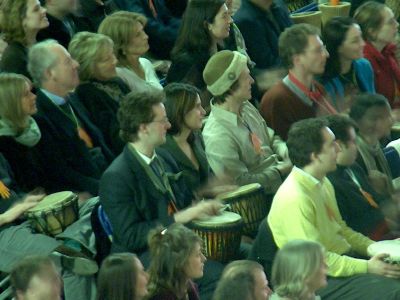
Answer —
250 203
54 213
221 235
329 11
391 247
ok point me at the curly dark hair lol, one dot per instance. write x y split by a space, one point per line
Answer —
305 137
340 125
136 109
170 250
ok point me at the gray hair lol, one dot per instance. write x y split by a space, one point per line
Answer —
40 59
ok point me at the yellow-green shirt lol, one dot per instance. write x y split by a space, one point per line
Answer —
306 208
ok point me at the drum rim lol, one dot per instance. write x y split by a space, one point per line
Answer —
251 187
201 224
71 198
379 244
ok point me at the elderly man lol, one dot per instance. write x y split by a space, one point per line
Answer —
238 142
73 149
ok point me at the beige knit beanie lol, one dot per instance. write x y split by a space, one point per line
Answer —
222 70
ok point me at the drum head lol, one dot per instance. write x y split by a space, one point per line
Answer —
52 200
225 218
391 247
243 190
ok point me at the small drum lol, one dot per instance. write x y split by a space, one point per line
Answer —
54 213
309 17
329 11
391 247
249 202
221 235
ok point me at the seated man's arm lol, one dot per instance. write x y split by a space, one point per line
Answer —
124 208
224 157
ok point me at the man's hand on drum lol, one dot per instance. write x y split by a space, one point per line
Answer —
377 265
31 198
15 212
200 210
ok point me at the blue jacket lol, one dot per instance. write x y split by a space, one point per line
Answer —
365 79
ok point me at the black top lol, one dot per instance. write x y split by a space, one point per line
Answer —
25 162
193 178
15 59
101 99
66 159
354 208
261 31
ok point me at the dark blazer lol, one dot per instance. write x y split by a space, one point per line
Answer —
133 204
15 59
193 178
355 210
102 108
260 34
66 158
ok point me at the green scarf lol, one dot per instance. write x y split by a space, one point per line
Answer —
29 137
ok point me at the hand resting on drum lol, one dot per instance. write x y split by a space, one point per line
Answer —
377 265
19 208
200 210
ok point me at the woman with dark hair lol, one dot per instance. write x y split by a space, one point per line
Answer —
380 28
122 277
346 72
21 20
184 139
205 25
176 259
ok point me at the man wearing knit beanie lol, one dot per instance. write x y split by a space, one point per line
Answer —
238 142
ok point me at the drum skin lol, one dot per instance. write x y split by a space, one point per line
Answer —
249 202
54 213
221 236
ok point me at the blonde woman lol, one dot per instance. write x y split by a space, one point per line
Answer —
130 44
19 133
100 89
298 271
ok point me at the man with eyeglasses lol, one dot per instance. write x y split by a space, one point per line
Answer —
136 192
298 96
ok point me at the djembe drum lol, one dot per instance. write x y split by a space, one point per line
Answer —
221 235
54 213
391 247
249 202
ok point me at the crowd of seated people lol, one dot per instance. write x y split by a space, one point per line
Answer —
84 108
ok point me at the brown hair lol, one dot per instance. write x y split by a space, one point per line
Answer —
121 26
117 277
23 271
369 17
170 250
136 109
13 13
180 99
293 41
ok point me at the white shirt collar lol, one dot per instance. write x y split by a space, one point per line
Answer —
146 159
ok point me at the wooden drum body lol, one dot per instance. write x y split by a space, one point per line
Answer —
221 235
54 213
249 202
